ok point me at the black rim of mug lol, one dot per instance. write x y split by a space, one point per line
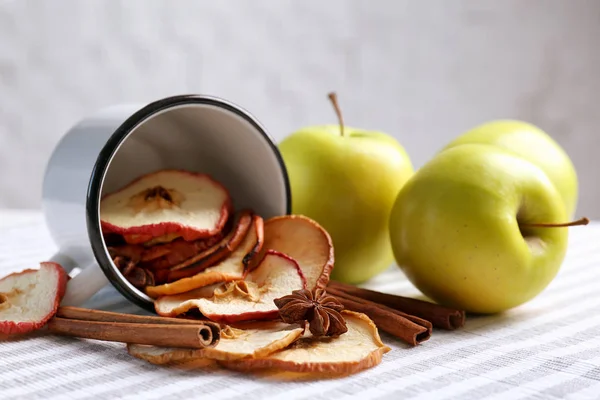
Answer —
107 153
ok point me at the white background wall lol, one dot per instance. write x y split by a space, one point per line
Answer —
424 71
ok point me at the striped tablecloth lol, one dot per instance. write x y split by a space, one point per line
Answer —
546 349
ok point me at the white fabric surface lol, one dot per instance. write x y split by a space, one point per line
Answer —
546 349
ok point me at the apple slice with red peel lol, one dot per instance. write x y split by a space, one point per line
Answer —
358 349
218 252
165 255
188 204
175 252
164 239
253 339
28 299
253 298
305 241
230 269
148 240
164 250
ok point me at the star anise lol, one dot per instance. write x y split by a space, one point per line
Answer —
140 278
124 264
320 309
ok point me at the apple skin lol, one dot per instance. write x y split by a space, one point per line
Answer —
348 185
455 233
533 144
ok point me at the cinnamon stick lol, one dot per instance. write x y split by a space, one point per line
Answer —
411 329
440 316
86 314
413 318
186 336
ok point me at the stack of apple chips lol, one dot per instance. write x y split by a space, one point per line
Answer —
175 235
170 225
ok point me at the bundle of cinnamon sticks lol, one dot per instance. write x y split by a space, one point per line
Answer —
408 319
411 320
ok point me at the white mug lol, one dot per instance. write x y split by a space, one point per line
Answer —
109 149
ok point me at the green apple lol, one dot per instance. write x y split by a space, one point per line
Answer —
468 229
533 144
347 179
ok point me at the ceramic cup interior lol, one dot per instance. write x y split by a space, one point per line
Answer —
197 134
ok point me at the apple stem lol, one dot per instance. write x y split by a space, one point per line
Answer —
581 221
333 97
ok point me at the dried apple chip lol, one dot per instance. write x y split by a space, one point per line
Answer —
167 255
28 299
358 349
255 339
164 239
167 202
250 299
216 253
230 269
157 259
163 256
148 240
306 242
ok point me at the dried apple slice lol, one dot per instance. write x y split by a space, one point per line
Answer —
28 299
218 252
358 349
230 269
164 239
165 255
167 202
169 254
148 240
255 339
305 241
250 299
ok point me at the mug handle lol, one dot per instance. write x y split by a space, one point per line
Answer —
82 286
